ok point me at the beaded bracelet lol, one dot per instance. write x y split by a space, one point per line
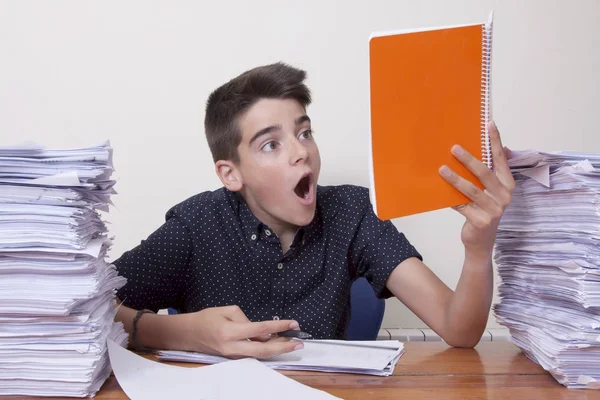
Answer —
137 317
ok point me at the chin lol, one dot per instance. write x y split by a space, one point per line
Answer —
303 218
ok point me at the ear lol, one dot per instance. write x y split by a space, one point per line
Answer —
229 175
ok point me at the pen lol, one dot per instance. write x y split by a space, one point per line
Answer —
295 334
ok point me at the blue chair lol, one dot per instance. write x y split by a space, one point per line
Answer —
366 312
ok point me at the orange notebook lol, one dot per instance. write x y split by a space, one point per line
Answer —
429 89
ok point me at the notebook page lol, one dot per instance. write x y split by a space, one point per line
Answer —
331 354
364 357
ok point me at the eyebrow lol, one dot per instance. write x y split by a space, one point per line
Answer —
302 119
274 128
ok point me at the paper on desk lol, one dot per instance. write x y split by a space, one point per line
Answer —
56 289
588 382
92 249
85 168
358 357
69 178
241 379
102 151
539 174
547 252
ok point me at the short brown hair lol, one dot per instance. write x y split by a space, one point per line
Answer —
228 102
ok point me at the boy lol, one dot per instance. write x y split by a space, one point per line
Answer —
271 250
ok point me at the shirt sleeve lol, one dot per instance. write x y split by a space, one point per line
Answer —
157 269
377 249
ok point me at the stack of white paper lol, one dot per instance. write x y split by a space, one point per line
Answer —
357 357
548 258
56 289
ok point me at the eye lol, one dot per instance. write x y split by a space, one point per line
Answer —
307 134
269 146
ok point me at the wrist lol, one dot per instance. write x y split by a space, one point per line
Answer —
181 332
478 258
135 329
158 332
190 333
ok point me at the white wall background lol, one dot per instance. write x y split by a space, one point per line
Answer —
74 73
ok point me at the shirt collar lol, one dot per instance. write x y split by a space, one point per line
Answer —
249 223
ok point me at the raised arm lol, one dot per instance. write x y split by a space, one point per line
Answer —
460 316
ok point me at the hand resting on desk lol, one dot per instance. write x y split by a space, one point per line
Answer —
227 331
224 331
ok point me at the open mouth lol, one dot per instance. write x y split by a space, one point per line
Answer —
303 187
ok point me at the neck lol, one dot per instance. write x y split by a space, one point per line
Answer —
284 230
286 239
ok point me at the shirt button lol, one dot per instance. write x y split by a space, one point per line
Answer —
280 266
268 232
276 318
253 237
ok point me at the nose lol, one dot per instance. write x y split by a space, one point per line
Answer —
299 152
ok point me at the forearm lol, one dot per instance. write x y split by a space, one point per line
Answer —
469 307
165 332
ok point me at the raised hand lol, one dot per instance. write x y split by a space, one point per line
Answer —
484 212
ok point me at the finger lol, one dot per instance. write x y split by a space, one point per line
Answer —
263 328
245 348
485 175
236 314
279 339
476 216
499 157
263 338
270 338
467 188
460 207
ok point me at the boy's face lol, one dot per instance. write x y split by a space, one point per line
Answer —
279 163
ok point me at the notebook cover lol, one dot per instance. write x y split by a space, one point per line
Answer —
425 96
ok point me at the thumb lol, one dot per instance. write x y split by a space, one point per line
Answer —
264 328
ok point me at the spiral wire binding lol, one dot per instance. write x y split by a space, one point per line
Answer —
486 63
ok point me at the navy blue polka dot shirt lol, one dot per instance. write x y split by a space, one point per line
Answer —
212 251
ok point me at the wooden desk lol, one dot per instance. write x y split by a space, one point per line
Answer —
432 370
